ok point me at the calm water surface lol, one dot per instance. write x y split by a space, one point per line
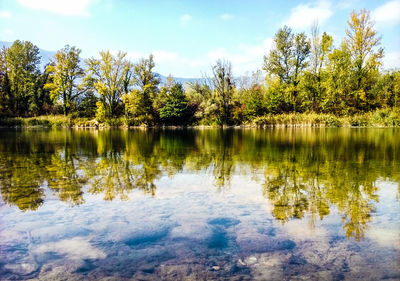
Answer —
274 204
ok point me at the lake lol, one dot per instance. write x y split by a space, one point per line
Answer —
193 204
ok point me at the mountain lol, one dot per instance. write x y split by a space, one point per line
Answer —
47 55
180 80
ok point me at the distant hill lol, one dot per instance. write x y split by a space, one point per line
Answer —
47 55
182 81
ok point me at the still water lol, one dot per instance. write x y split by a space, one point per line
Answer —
273 204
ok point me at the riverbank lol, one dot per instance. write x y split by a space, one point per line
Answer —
379 118
48 121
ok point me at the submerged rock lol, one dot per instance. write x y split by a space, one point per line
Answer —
146 237
297 260
192 230
224 222
251 241
86 266
285 245
218 239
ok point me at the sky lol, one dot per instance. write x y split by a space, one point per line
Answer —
187 37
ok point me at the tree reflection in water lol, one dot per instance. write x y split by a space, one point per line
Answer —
305 171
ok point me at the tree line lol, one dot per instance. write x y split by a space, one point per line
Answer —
303 74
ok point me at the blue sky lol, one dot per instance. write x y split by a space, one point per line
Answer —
187 37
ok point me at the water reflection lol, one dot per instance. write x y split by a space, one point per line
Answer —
301 172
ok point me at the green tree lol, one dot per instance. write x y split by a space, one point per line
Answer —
22 60
136 108
280 58
145 78
41 101
140 102
201 100
173 105
64 73
363 42
312 80
87 106
387 89
111 77
250 98
338 81
5 95
287 60
275 99
396 89
224 86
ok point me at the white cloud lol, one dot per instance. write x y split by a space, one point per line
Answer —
5 15
64 7
391 60
77 248
245 58
385 237
178 65
346 4
304 15
7 34
165 56
185 19
388 13
226 16
133 55
258 50
8 31
218 53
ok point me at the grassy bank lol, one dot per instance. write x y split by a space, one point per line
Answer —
379 118
55 121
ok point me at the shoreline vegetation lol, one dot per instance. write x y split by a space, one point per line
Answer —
307 81
379 118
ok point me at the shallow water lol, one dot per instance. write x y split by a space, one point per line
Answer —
273 204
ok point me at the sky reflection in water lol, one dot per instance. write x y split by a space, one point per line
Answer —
200 204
